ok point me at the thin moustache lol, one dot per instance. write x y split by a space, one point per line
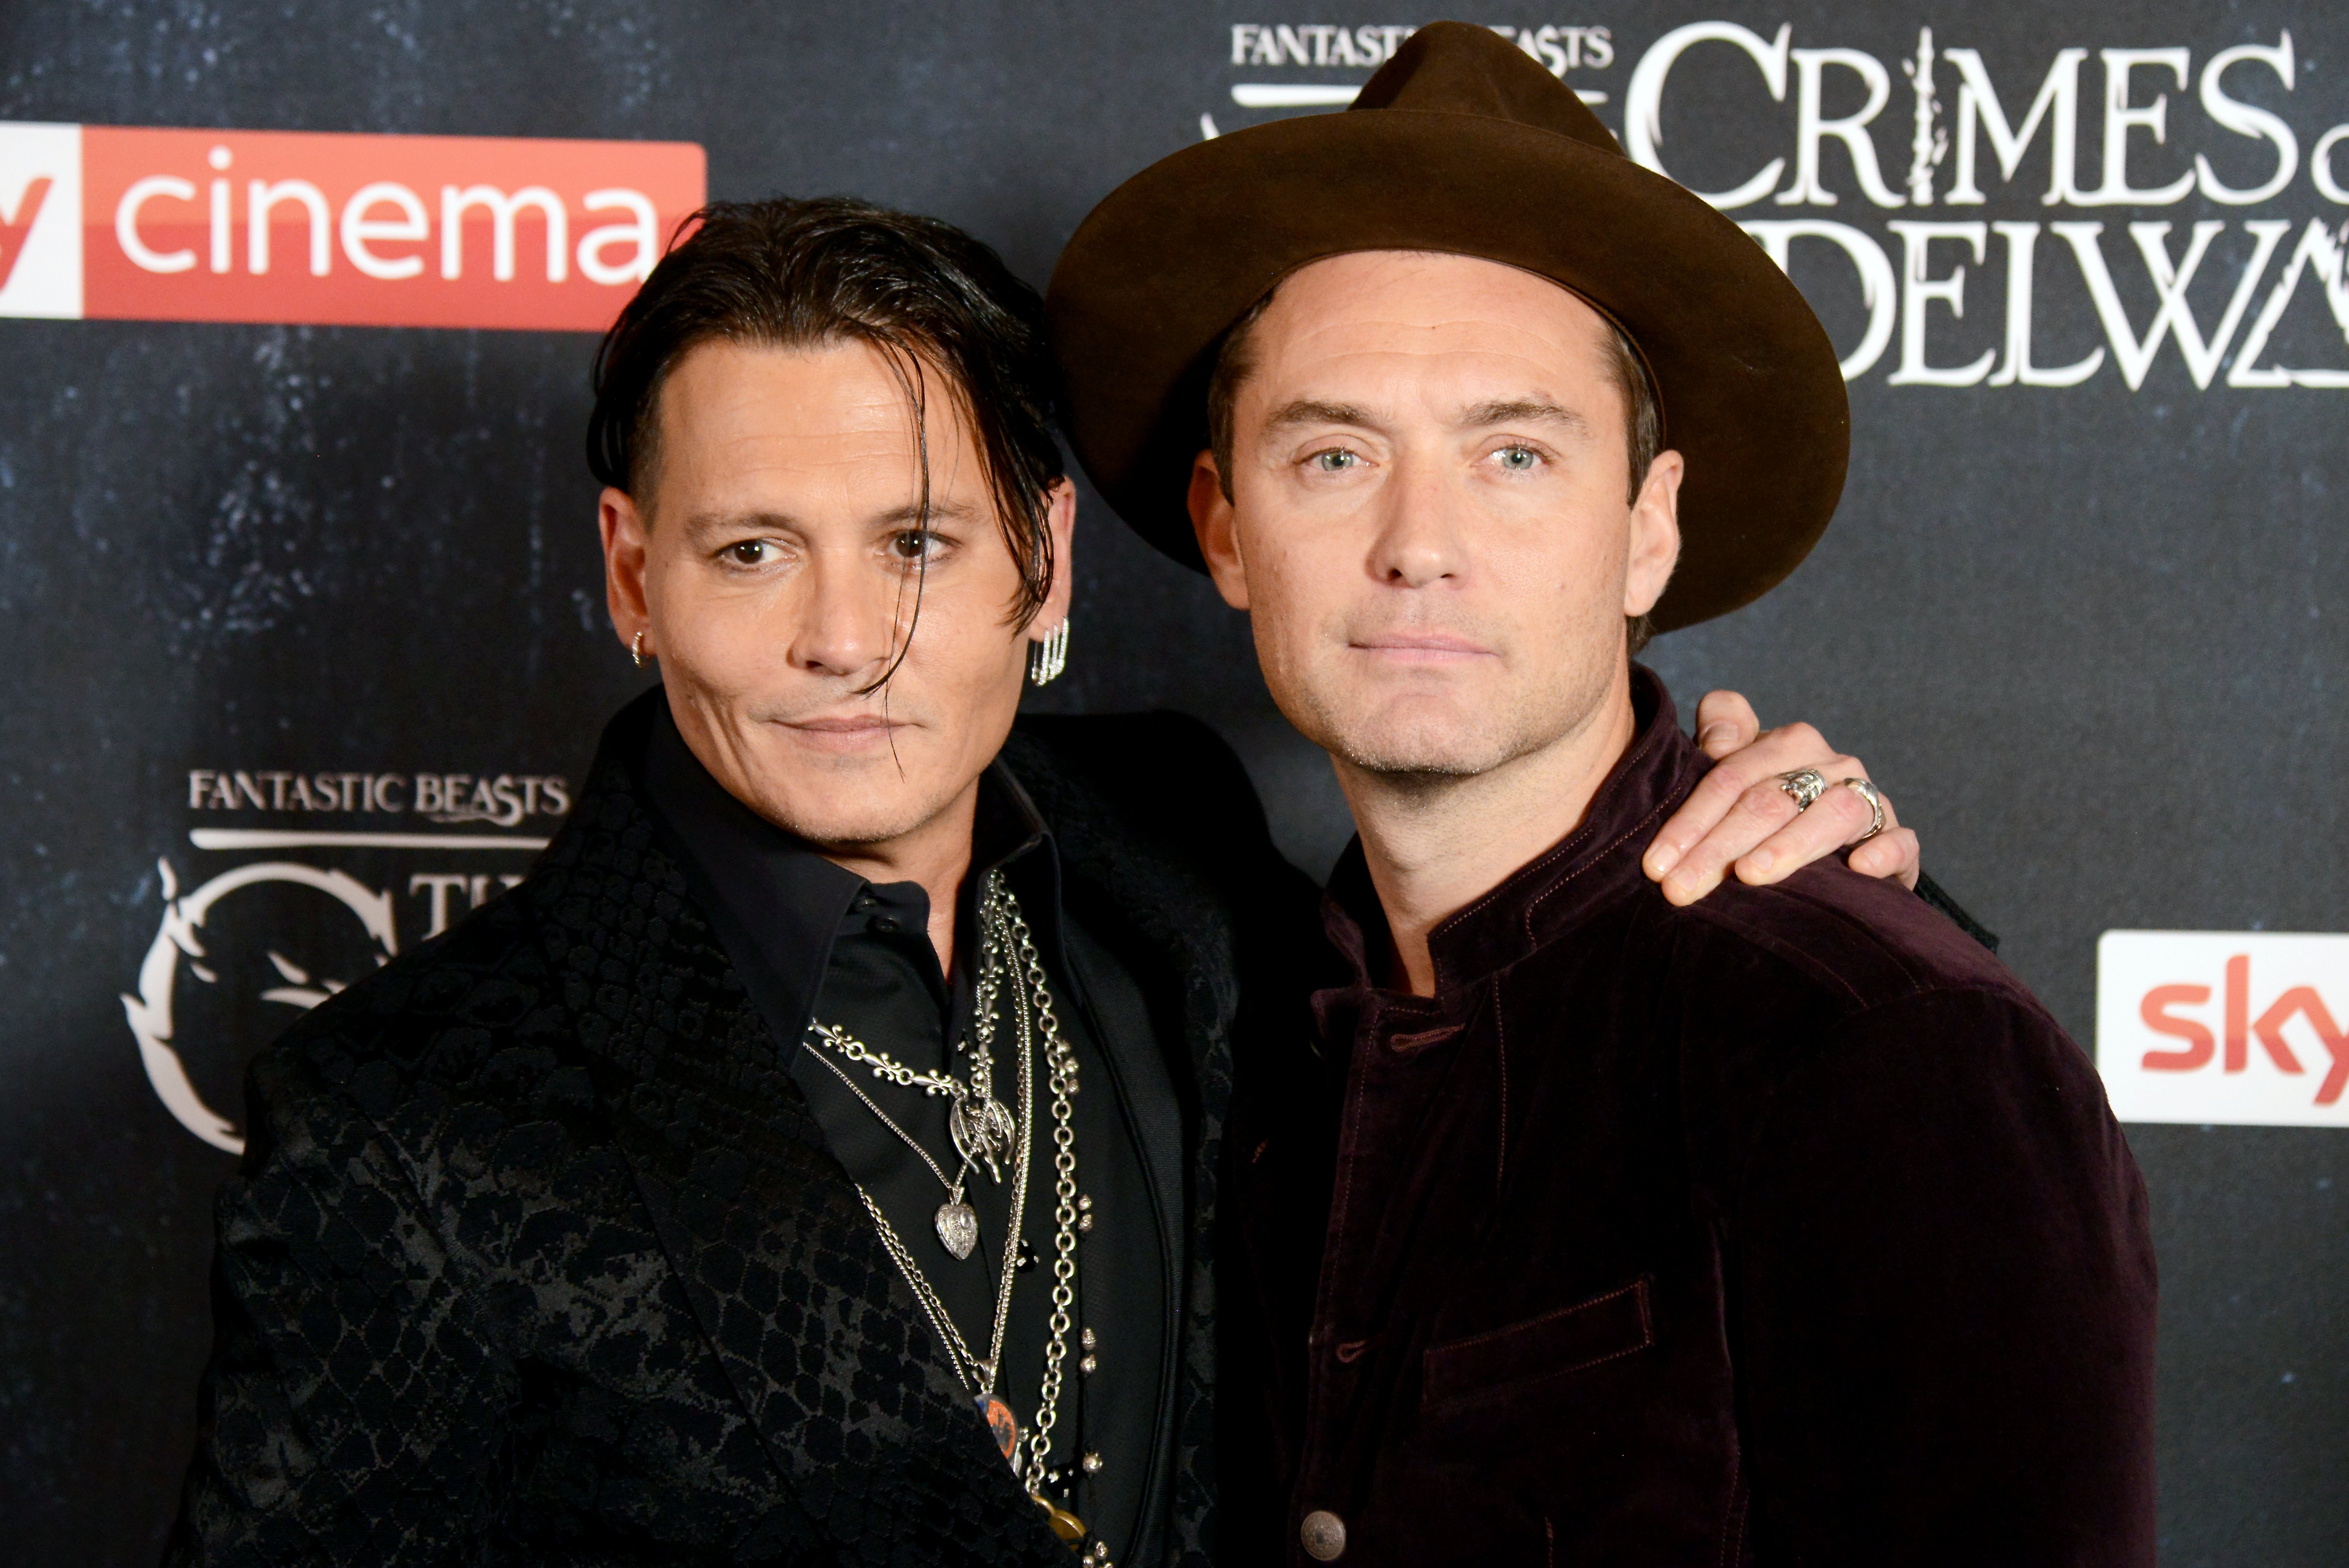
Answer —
1419 642
834 722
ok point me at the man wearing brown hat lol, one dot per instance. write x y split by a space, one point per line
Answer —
1782 1227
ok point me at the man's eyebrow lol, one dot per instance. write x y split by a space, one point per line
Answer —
909 515
1523 411
702 524
763 520
1313 412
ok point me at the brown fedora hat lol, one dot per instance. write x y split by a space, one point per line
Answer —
1461 144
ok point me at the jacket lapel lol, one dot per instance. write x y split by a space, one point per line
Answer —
1115 870
1120 872
817 1334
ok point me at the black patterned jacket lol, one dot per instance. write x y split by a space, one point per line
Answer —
536 1255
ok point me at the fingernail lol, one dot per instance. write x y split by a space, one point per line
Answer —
1720 731
1760 861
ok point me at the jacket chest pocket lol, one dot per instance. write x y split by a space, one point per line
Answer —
1524 1356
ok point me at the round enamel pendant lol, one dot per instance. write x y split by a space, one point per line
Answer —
1001 1422
1065 1525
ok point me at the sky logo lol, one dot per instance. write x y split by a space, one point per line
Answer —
2237 1027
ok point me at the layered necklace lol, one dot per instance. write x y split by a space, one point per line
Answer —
986 1133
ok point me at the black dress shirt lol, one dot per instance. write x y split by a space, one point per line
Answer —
815 942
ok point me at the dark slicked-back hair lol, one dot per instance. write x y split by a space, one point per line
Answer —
782 274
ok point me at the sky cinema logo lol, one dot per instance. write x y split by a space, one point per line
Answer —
143 225
2239 1028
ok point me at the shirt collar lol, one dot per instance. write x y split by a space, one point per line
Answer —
1534 904
777 904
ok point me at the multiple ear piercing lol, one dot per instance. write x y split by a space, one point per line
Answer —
1048 658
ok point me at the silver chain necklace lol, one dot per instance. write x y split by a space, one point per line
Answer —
981 1129
993 1133
957 1221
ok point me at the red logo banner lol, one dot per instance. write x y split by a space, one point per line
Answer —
342 230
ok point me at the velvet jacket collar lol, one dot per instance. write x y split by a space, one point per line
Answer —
1534 904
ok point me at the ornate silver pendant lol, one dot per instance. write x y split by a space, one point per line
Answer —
958 1228
983 1132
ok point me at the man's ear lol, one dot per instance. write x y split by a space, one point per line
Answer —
1061 517
622 527
1655 541
1213 520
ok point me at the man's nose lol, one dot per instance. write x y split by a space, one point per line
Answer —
1419 539
848 616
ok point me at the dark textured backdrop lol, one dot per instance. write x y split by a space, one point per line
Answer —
2091 639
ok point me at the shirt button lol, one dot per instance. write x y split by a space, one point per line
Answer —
1324 1535
886 925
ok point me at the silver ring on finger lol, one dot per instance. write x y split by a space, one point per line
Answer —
1804 785
1875 799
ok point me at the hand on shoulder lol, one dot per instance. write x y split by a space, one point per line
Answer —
1742 817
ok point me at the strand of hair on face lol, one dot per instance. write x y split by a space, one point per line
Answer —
907 368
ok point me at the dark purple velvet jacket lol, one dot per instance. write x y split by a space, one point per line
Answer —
1783 1228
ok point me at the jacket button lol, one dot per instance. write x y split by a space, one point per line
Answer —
1324 1535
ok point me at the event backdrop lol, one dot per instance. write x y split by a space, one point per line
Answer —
307 651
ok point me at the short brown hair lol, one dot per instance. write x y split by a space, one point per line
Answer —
792 273
1644 418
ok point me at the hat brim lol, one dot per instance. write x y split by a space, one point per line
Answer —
1751 392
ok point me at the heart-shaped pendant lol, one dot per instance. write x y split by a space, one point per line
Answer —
958 1228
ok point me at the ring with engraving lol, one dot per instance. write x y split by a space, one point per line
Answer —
1804 785
1875 799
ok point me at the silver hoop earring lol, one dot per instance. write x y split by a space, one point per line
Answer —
636 648
1049 657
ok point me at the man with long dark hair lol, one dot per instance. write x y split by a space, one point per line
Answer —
816 1157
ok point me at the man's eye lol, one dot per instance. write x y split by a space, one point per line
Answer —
1517 459
748 553
914 544
1337 459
